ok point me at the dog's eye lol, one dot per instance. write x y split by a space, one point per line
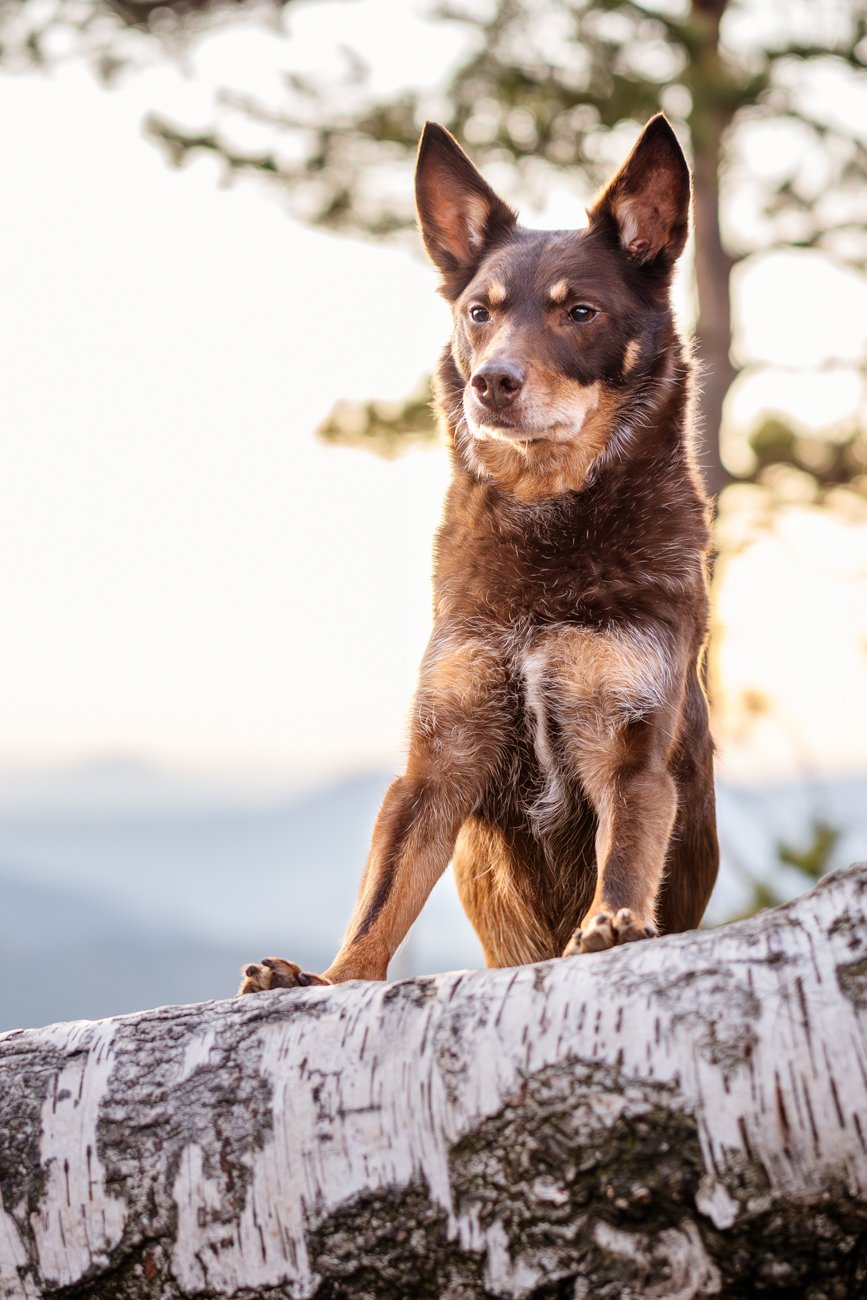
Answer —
480 315
581 314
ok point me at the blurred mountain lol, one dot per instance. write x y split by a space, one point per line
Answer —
146 899
124 782
227 872
186 896
66 955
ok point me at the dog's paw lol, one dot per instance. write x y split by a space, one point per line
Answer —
605 930
275 973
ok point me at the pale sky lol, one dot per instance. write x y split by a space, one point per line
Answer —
189 572
189 576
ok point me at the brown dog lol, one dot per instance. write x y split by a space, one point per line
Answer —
560 753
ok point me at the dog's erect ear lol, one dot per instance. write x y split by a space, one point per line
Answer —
459 214
648 200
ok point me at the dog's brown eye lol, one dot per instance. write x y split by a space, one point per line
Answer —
582 313
480 315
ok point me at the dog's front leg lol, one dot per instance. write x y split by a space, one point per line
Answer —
413 840
623 766
458 733
635 798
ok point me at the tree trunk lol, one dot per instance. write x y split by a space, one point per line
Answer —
713 265
677 1118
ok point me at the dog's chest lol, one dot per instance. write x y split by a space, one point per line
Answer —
557 569
578 688
538 703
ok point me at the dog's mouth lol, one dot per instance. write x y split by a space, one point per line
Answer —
499 431
499 427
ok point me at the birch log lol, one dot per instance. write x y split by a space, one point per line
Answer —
684 1117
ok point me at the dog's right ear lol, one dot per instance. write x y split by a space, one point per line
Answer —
459 214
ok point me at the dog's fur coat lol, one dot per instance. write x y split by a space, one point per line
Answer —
560 753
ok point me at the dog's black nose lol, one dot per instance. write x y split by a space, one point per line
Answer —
498 383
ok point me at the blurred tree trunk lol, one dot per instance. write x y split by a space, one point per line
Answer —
713 264
672 1119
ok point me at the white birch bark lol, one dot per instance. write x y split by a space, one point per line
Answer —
679 1118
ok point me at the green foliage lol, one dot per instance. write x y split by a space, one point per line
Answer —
828 459
385 427
548 86
543 84
111 34
814 858
811 860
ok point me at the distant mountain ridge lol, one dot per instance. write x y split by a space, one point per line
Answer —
68 956
140 908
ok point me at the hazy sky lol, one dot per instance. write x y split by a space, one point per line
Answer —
188 574
187 570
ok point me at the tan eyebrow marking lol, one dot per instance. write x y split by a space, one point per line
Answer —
630 356
496 293
560 291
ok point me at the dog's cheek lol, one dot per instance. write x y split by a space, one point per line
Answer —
589 359
578 360
462 352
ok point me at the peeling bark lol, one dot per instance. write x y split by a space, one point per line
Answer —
678 1118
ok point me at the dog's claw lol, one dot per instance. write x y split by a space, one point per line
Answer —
607 931
600 934
275 973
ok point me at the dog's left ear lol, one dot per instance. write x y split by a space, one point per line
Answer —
648 200
459 214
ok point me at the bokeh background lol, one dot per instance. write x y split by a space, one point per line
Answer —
219 478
